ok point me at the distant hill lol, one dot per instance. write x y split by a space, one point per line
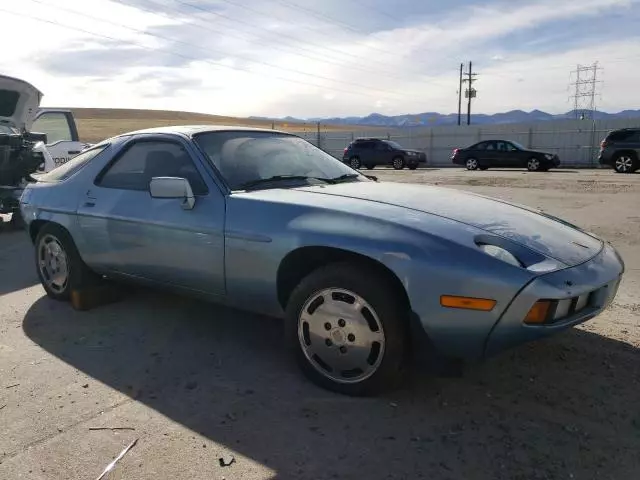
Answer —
434 118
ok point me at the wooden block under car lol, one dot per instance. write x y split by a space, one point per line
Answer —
96 296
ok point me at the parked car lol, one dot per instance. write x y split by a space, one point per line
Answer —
364 273
503 154
371 152
621 150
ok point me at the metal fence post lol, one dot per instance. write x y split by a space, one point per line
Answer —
530 138
430 159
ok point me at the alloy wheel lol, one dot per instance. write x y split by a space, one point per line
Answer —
624 164
53 263
341 335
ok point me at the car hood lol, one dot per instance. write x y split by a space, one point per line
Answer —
19 102
537 231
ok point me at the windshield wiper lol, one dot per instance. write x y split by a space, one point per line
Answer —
346 176
277 178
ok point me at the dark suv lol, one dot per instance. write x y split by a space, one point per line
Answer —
370 152
621 150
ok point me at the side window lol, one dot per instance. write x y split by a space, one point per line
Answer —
490 146
480 146
55 125
142 161
365 145
502 147
381 146
67 169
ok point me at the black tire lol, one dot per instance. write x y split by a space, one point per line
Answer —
354 162
534 165
78 274
377 291
398 163
625 162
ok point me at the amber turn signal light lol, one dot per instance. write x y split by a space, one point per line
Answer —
539 312
468 303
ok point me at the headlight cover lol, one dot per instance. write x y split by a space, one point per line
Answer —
549 156
501 254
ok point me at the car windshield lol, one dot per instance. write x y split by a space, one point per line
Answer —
393 144
249 158
518 146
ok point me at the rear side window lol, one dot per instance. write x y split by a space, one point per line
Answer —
74 165
364 145
142 161
624 136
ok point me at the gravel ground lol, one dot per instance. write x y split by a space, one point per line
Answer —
195 382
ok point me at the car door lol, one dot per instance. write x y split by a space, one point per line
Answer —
155 238
366 153
504 158
381 153
516 156
62 136
487 153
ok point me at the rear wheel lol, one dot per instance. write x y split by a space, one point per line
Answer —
471 164
354 162
58 263
347 328
398 163
625 163
533 164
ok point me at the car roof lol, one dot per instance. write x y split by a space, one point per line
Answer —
190 130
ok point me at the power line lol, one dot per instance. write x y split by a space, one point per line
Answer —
187 57
584 98
207 49
376 9
290 51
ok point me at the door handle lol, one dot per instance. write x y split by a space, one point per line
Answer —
74 152
89 204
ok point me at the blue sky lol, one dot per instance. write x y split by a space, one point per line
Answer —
333 58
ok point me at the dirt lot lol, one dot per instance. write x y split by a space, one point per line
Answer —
196 382
95 124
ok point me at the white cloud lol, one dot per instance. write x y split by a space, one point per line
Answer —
396 71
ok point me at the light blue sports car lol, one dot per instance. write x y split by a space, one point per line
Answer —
366 274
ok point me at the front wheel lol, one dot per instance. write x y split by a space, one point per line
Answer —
58 263
347 328
533 165
398 163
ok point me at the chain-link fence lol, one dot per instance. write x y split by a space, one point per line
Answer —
576 142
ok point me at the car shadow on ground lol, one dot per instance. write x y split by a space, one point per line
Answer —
14 244
564 407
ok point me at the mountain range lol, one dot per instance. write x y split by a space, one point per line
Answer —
434 118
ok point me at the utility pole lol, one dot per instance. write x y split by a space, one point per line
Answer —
585 88
460 95
470 92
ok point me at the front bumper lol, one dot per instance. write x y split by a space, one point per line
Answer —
596 280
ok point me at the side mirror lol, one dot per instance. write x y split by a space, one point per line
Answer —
173 187
372 177
36 137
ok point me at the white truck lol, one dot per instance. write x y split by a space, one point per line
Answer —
32 140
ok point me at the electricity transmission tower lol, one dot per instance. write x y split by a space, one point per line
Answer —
585 86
